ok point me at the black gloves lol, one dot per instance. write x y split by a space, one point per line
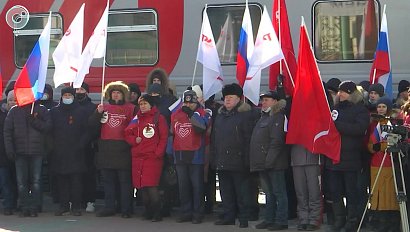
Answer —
188 111
377 147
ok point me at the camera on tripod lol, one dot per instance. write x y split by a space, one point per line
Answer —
396 136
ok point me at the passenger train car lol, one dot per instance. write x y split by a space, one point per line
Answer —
145 34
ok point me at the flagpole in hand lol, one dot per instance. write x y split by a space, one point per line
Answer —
105 51
199 43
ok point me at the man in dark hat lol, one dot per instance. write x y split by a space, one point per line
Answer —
230 148
351 120
89 177
403 93
135 93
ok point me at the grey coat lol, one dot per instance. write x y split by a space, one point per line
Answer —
268 148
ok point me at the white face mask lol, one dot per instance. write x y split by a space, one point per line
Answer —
68 101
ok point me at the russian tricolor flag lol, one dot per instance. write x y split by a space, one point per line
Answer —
245 47
30 83
176 105
381 69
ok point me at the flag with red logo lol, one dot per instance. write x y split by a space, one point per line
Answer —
310 123
281 24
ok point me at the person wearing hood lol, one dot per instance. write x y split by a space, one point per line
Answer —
230 141
113 158
69 121
6 166
351 119
24 134
147 135
47 98
268 157
89 176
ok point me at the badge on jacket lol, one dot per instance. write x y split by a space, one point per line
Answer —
148 132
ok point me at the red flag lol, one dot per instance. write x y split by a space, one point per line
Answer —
370 28
310 123
281 24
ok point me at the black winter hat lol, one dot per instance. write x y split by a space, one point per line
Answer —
378 88
272 94
232 89
333 84
155 88
365 85
68 89
85 86
403 86
347 87
148 98
9 87
134 87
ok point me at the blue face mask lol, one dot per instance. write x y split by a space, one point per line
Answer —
68 101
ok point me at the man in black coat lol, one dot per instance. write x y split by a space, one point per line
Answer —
24 134
351 119
68 156
230 150
89 176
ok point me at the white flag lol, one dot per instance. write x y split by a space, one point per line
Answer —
266 52
225 44
95 47
208 56
67 55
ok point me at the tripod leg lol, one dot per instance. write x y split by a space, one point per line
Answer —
401 194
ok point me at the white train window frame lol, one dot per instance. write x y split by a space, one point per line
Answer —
26 38
124 31
338 31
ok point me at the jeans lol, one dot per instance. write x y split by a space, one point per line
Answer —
191 189
274 184
234 187
6 188
28 171
110 176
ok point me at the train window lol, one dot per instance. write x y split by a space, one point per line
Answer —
345 31
226 22
26 38
132 38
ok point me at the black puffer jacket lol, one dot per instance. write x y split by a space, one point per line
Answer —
70 135
231 137
24 133
4 161
352 122
268 148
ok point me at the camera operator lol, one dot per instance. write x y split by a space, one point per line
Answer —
383 201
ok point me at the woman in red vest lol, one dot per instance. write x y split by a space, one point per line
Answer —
148 134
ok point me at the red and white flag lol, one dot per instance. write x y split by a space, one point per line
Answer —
95 47
267 51
208 56
67 55
310 122
281 24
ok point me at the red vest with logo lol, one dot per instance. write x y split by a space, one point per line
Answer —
185 137
119 116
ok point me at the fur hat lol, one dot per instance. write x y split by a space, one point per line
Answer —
347 87
190 96
232 89
333 84
378 88
69 90
116 85
272 94
385 100
155 88
403 86
148 98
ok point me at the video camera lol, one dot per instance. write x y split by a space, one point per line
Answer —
397 134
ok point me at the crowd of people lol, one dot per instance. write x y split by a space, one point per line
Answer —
140 141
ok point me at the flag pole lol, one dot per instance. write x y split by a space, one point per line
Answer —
32 107
280 43
290 74
103 71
